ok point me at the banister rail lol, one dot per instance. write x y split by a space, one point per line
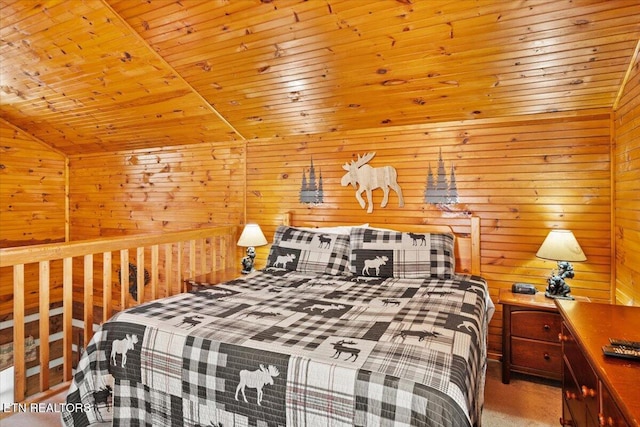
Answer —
51 251
171 257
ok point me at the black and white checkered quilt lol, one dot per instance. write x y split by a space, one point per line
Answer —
289 349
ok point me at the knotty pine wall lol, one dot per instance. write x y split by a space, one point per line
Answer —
627 191
164 189
32 190
32 206
522 177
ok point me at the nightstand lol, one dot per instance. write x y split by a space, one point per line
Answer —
213 278
530 328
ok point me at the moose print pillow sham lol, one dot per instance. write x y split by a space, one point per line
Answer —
305 251
387 253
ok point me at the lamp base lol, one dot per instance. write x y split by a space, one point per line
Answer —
247 262
552 296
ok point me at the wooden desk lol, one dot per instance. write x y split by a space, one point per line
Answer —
598 389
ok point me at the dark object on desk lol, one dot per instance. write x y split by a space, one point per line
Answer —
523 288
624 343
621 351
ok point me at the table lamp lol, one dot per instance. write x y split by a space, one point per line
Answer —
251 237
560 246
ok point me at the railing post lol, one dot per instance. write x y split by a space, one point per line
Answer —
192 264
88 298
179 267
67 317
168 267
140 274
155 251
43 325
18 332
107 296
124 278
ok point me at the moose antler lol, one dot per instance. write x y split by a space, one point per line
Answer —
362 160
273 371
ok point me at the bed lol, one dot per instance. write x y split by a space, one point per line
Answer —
345 326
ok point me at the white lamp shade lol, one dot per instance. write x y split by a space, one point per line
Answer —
561 245
252 236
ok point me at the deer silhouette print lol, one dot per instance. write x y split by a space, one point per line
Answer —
102 397
325 241
340 348
420 334
262 314
283 260
366 178
375 263
256 379
191 321
123 346
323 308
415 238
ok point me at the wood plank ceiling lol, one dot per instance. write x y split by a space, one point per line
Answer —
107 75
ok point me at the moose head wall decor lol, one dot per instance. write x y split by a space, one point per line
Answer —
366 178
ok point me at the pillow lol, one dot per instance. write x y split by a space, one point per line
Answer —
309 252
386 253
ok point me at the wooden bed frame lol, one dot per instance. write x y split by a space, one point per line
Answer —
467 246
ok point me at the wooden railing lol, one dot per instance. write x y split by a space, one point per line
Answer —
173 257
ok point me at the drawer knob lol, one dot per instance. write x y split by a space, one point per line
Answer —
608 422
562 338
564 422
546 327
546 356
588 392
569 395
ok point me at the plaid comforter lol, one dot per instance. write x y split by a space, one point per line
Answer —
288 349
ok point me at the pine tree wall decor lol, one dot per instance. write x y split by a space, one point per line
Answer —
438 190
311 191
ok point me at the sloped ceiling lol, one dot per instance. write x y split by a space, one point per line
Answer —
107 75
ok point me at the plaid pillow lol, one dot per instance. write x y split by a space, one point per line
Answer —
384 253
308 252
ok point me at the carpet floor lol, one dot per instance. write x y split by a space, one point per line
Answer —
525 402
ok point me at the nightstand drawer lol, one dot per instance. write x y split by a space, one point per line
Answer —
540 356
537 325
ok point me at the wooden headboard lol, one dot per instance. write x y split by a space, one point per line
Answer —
467 246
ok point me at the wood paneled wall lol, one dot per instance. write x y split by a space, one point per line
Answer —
522 177
165 189
32 190
627 190
32 206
